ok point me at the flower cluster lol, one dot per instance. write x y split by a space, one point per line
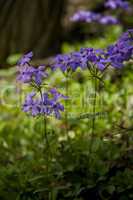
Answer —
67 62
46 104
86 57
108 20
89 17
114 55
95 58
39 102
29 73
115 4
122 50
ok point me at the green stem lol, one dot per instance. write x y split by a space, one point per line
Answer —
47 145
45 125
66 104
45 134
93 112
94 106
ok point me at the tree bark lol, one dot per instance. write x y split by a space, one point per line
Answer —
27 25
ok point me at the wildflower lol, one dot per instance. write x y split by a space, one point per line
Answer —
115 4
122 50
31 105
94 57
28 73
52 104
25 59
67 62
57 108
108 20
85 16
62 62
25 74
56 95
89 17
45 104
114 55
38 74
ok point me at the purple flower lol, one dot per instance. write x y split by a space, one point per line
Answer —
75 60
122 50
67 62
52 105
31 105
102 63
94 58
88 54
85 16
86 57
114 55
25 59
45 104
57 108
26 74
114 4
108 20
56 95
89 17
127 37
89 57
38 74
62 62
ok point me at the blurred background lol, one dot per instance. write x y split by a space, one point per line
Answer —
44 26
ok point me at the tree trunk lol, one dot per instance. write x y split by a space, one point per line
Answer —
27 25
